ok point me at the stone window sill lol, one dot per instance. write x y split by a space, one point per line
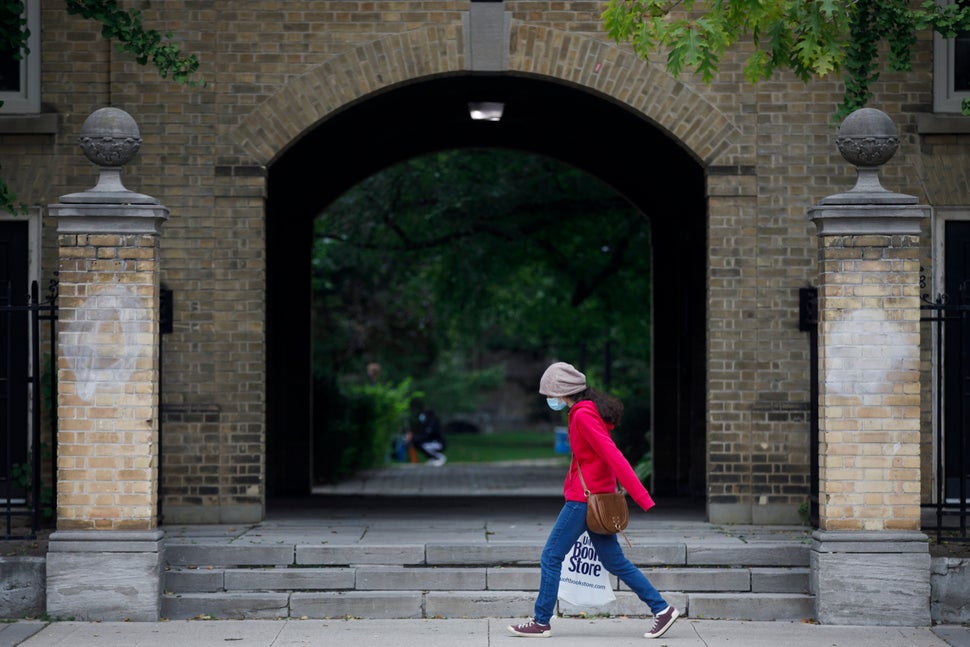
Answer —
41 124
942 124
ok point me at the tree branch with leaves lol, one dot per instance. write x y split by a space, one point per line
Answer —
148 46
811 38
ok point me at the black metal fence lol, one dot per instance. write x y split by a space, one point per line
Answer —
808 322
27 390
950 325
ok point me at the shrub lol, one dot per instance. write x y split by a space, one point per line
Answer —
355 425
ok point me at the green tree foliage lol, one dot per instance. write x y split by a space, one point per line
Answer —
812 38
124 27
464 251
429 265
13 28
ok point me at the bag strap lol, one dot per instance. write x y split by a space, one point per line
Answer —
582 481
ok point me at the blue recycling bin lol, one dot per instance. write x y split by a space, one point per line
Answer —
561 445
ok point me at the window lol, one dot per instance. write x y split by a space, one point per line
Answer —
20 80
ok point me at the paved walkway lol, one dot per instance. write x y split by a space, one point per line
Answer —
467 633
518 478
510 501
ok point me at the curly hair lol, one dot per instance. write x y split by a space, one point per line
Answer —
609 407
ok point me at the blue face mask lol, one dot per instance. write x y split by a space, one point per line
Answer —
556 404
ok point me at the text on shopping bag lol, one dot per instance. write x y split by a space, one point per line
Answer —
584 581
583 558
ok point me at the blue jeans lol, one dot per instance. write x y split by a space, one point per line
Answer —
567 529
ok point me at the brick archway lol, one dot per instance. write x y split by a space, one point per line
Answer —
686 114
595 65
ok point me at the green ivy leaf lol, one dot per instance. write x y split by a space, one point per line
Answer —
8 201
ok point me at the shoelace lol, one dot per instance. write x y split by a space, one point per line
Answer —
657 623
532 623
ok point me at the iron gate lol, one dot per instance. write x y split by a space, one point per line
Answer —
27 387
808 322
951 392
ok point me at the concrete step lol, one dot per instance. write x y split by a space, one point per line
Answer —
389 578
764 581
469 604
672 554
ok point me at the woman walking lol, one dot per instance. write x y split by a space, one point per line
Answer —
592 415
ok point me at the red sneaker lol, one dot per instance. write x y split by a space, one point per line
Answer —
662 622
531 629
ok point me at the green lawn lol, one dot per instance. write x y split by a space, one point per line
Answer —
502 446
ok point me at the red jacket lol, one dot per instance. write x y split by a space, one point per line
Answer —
602 462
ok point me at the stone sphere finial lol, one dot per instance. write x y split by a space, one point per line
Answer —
867 138
110 137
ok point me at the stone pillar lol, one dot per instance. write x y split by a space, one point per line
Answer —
104 559
870 562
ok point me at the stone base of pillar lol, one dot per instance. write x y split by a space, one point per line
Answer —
770 514
871 578
105 575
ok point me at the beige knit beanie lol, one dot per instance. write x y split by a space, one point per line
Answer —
561 379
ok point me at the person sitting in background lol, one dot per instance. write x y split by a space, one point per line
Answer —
427 436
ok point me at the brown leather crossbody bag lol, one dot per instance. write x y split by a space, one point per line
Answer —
607 513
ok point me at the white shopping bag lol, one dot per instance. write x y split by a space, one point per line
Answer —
584 582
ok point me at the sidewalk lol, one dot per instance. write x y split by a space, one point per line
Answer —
415 502
468 633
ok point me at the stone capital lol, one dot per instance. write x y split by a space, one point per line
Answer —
868 219
87 218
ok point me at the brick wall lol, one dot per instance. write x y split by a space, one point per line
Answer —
107 382
869 409
276 68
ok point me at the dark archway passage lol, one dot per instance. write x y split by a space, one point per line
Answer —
585 130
